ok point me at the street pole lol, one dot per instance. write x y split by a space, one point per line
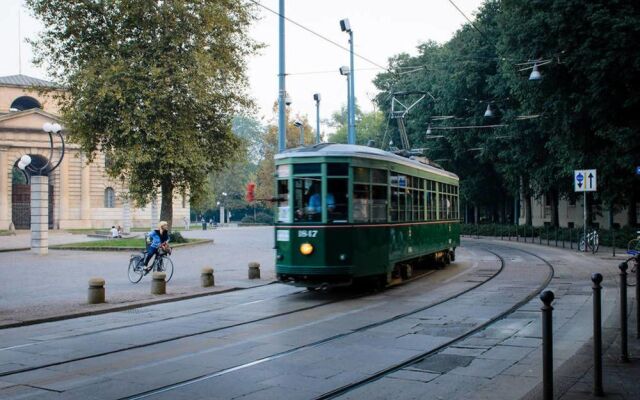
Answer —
316 97
352 97
282 90
585 222
302 135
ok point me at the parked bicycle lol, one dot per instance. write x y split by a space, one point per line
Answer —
161 263
633 249
592 242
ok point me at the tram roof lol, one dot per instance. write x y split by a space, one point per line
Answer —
352 150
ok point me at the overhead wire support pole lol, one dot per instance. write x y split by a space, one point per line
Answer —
352 97
282 128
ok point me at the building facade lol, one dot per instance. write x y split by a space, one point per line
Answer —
80 194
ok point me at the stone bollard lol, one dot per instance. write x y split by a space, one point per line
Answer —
158 283
96 291
254 270
206 277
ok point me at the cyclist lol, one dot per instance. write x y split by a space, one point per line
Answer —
155 239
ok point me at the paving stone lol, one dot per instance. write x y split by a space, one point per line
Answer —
507 353
442 363
483 368
413 375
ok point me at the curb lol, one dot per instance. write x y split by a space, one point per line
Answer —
126 307
16 249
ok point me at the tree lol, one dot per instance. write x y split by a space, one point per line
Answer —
152 84
369 126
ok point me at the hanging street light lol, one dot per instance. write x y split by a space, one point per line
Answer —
535 74
316 98
488 113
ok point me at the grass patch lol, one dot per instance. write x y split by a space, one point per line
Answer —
5 233
111 244
86 231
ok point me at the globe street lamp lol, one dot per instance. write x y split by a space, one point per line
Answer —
39 179
221 204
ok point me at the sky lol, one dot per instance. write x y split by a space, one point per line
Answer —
381 30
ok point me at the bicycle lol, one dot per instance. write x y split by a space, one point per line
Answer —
633 249
592 242
161 263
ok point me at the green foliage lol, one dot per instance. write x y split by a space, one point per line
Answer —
153 85
586 114
176 237
369 126
261 218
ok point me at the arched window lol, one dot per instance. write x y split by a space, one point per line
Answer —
109 198
25 103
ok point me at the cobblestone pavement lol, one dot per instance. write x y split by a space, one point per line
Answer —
277 341
35 286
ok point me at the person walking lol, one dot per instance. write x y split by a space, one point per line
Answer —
186 223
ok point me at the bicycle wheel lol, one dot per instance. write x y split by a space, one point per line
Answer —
631 275
582 245
136 271
165 265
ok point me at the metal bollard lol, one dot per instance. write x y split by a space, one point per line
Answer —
517 236
637 300
597 335
547 229
547 345
206 277
254 270
624 351
158 283
556 236
562 239
96 291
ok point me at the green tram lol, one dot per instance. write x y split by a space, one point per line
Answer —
347 213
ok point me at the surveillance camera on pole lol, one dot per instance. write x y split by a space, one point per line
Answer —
287 99
345 26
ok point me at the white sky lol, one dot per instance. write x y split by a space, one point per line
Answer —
381 29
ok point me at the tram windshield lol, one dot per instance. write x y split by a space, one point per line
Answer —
308 199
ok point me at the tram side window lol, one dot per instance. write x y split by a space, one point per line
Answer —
307 199
283 200
431 201
361 203
398 197
378 203
338 209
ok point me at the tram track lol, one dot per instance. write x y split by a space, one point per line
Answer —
317 343
188 335
413 360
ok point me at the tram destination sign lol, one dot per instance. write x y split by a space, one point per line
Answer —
585 180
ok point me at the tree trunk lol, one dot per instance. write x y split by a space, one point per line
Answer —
527 209
555 218
475 214
166 207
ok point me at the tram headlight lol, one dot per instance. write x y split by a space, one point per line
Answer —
306 248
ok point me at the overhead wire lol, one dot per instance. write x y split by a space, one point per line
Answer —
299 25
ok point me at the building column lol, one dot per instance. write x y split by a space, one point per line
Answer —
5 178
85 196
154 213
40 214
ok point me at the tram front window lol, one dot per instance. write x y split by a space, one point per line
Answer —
308 200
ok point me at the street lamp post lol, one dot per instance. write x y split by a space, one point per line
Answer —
345 26
316 97
282 94
346 71
39 177
222 214
300 125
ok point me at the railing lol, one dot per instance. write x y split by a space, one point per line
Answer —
617 239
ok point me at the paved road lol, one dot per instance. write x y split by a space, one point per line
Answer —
38 286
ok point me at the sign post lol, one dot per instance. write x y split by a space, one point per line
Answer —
585 180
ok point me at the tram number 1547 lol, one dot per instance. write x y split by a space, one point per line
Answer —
307 233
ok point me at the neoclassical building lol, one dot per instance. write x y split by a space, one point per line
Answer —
80 195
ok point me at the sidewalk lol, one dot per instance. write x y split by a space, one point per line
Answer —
35 287
22 240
